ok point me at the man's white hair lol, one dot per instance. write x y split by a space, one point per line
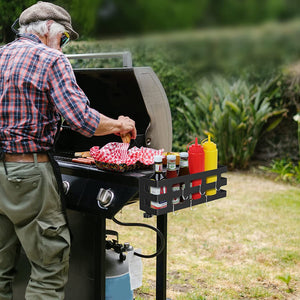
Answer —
41 28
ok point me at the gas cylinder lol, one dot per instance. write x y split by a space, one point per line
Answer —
117 280
196 163
210 161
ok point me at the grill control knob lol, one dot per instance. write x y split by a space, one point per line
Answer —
66 187
148 141
105 198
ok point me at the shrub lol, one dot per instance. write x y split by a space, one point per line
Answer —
234 114
285 169
181 59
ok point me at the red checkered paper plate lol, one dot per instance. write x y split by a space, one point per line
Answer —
116 157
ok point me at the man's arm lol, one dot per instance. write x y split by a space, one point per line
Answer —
119 127
73 105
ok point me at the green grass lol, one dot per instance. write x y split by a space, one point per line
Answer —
243 246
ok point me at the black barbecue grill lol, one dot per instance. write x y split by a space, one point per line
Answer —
135 92
92 194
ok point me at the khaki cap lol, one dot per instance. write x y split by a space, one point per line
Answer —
42 11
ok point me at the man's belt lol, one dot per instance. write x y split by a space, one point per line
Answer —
25 157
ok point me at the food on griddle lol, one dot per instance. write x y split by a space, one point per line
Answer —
126 138
83 154
84 160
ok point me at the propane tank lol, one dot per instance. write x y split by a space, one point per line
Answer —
117 278
210 161
196 163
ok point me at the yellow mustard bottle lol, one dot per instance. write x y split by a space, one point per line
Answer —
210 161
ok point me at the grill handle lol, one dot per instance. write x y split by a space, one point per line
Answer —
126 55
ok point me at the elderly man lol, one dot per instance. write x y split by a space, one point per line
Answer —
37 88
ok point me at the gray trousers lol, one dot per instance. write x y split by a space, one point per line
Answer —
31 216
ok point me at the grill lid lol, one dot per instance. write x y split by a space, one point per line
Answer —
135 92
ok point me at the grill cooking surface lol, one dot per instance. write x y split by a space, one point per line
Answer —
63 158
79 169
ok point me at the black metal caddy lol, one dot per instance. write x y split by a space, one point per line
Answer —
162 213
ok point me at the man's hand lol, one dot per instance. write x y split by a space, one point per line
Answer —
130 130
121 126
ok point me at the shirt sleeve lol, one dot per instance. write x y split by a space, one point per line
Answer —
70 100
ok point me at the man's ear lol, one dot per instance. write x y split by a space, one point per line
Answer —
49 23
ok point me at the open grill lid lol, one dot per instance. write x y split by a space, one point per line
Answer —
135 92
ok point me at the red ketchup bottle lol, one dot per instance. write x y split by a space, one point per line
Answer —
196 163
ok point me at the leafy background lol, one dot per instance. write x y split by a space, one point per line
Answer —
250 46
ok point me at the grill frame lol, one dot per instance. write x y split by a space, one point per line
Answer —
157 135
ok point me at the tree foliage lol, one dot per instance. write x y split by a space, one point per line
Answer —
106 17
231 12
9 12
84 15
144 16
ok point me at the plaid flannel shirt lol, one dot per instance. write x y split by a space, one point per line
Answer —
37 88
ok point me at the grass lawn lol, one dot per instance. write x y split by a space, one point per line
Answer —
244 246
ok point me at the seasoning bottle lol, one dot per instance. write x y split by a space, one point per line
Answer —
196 164
211 161
157 176
183 170
171 173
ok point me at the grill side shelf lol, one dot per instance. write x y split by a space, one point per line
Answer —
146 197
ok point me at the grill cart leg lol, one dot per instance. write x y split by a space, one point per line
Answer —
100 258
161 260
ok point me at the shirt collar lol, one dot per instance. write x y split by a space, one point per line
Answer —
30 36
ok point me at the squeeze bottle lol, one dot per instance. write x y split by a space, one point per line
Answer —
211 162
196 164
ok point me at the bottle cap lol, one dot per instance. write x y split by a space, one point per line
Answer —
157 158
209 145
184 154
196 148
171 157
